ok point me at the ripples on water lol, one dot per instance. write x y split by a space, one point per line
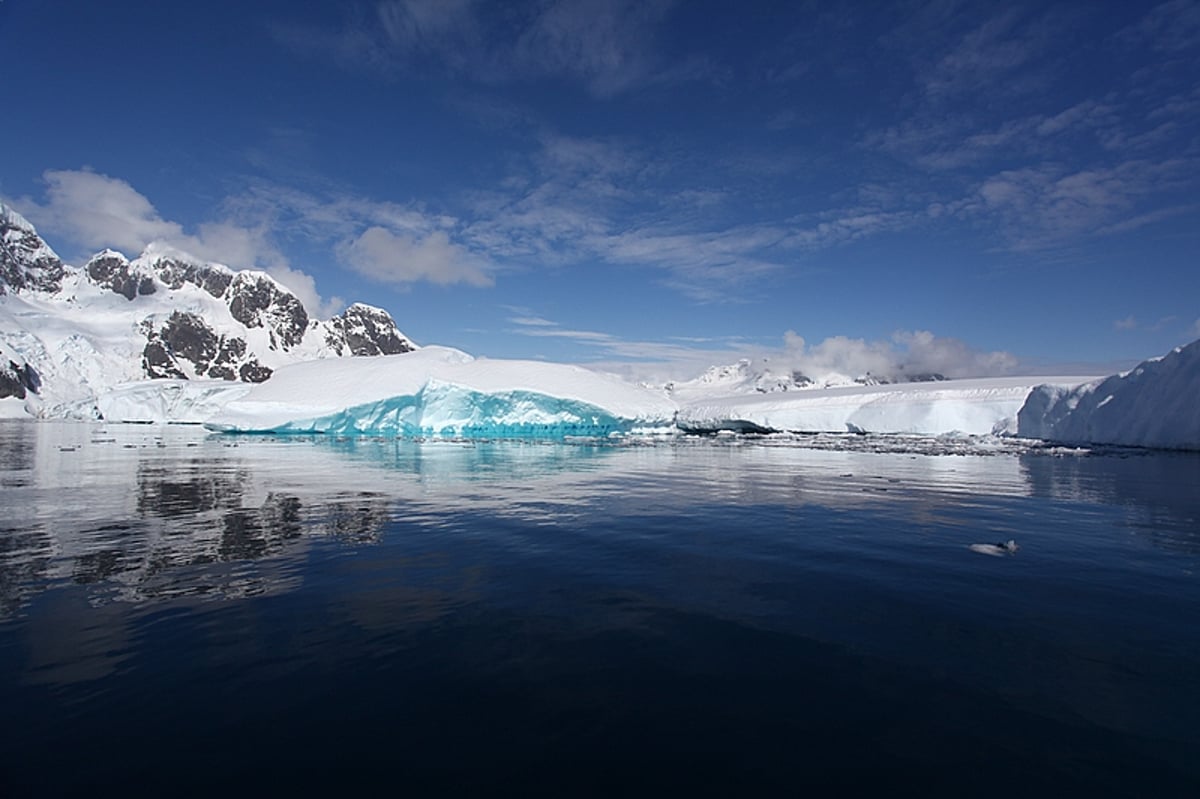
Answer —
187 612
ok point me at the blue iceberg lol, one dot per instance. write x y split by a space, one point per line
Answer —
439 392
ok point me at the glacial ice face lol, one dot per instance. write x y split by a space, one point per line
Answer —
1153 405
447 410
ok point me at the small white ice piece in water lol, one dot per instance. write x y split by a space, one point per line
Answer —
996 550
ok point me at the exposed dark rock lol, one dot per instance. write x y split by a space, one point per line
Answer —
186 337
189 337
111 270
210 277
26 261
368 331
157 361
253 372
18 379
256 300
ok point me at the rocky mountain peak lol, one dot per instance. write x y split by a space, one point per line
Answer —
257 300
26 261
111 270
367 330
175 268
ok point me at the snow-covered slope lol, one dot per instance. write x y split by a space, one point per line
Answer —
438 391
974 407
69 335
1157 404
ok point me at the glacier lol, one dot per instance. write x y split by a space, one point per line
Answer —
443 392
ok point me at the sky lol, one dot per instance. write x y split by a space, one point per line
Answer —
648 186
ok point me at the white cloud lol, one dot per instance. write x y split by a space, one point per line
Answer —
388 242
396 258
906 353
1128 323
94 211
97 211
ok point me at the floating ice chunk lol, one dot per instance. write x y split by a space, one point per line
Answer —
999 550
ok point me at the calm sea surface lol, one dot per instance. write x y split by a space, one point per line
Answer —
183 613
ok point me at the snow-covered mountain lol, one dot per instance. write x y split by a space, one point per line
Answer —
69 334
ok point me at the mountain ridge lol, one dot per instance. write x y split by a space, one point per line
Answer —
67 332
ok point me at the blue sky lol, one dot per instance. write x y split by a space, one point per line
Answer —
1010 186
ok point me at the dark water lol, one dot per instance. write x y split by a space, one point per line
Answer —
183 613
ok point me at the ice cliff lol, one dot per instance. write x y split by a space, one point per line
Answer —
1157 404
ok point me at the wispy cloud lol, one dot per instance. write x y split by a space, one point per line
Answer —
580 200
644 360
1047 161
985 55
1049 206
1089 113
1128 323
1170 27
607 46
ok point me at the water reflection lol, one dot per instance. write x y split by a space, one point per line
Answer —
1159 490
507 598
150 513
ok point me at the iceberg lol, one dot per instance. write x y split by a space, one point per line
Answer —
443 392
1155 405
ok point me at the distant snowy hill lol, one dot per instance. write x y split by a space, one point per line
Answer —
764 377
69 335
1157 404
